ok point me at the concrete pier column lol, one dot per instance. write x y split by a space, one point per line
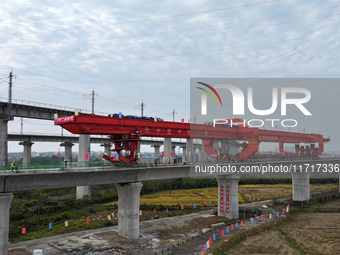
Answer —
3 141
223 147
27 152
216 145
156 146
184 148
128 209
84 147
199 153
167 150
232 147
189 150
138 149
107 148
173 150
5 205
205 156
301 188
228 196
68 151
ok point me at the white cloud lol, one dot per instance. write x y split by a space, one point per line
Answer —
148 71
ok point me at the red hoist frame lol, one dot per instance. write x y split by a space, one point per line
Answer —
128 143
125 134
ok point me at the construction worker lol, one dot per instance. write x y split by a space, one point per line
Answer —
12 166
156 159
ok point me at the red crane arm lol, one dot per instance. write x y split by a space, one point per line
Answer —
113 126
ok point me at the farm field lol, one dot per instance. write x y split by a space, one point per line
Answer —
309 230
247 193
37 226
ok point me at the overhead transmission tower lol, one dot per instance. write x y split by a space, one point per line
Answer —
92 95
10 95
173 114
141 107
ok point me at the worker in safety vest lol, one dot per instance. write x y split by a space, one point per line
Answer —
12 166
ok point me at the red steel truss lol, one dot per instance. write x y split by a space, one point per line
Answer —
125 133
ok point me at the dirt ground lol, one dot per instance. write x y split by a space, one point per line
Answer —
315 233
154 235
270 242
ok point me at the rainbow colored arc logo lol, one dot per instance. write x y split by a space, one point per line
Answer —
209 93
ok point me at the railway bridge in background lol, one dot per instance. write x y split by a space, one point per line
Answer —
33 110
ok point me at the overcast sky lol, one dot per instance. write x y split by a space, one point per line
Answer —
133 51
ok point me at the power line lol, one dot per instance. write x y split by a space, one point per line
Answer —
141 107
172 31
116 7
172 39
150 19
92 95
173 115
66 92
177 54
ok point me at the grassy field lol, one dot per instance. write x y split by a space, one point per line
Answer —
37 226
247 193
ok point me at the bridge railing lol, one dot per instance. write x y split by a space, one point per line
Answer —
52 167
49 106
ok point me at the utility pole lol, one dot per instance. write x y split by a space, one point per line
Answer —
93 94
173 114
10 94
141 107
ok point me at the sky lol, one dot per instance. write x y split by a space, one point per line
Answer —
131 52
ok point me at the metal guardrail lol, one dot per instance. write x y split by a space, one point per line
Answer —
53 134
53 167
49 106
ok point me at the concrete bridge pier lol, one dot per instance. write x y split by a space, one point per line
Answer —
189 150
27 152
128 209
216 146
3 141
156 146
107 148
224 148
205 156
232 147
167 150
184 148
173 150
200 153
138 149
84 148
5 205
228 196
301 187
68 150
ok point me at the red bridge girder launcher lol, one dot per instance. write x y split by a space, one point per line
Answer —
125 133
